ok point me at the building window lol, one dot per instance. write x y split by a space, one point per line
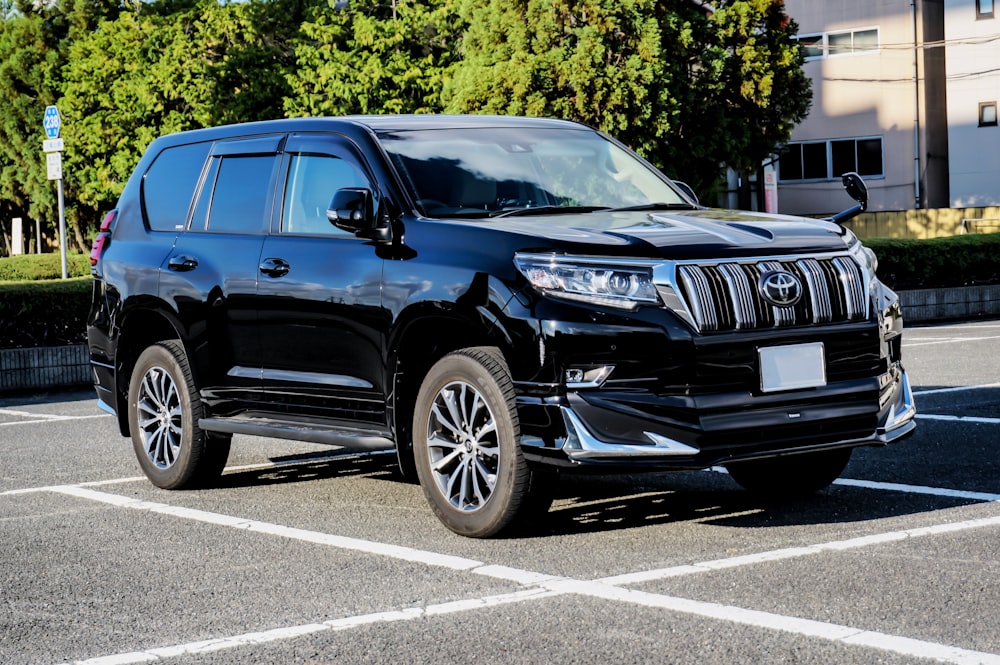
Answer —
984 8
839 43
987 114
828 160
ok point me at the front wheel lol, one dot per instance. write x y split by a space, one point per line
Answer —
164 407
466 443
792 476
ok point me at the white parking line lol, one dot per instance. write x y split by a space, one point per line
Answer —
959 419
543 586
938 391
952 340
43 417
290 632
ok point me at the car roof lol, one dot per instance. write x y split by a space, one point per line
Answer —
351 124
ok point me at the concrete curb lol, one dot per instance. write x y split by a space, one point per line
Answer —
45 368
964 302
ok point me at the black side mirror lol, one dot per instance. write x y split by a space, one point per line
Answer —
856 188
352 209
858 191
688 191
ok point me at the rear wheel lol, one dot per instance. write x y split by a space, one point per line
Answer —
164 409
792 476
466 443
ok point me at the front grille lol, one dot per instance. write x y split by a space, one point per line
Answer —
725 296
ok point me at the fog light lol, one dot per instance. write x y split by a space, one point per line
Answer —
587 377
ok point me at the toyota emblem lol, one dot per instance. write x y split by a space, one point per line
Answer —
780 288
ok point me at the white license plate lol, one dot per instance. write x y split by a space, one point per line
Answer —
792 367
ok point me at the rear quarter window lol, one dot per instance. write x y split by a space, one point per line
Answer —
169 185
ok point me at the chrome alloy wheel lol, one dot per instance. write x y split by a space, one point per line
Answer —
463 447
161 417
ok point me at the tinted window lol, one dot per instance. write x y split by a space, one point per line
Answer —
312 181
241 194
169 184
814 160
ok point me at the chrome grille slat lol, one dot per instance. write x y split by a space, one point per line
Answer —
725 296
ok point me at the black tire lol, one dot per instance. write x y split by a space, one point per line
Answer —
164 407
466 443
793 476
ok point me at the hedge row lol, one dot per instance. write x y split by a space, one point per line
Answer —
965 260
44 312
42 266
48 311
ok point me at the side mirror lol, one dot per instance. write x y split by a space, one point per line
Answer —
352 209
687 190
856 188
858 191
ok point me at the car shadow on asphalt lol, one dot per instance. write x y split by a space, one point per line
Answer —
612 503
591 504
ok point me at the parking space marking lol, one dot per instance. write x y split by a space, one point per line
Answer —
950 340
956 389
611 588
290 632
959 419
918 489
796 552
37 418
318 537
806 627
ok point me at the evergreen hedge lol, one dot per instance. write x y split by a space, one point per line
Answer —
966 260
44 312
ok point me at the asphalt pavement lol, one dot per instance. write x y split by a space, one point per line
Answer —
311 554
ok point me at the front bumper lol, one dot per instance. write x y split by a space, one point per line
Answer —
601 430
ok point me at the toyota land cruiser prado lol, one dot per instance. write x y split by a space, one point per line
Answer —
494 299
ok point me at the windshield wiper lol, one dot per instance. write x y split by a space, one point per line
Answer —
548 210
654 206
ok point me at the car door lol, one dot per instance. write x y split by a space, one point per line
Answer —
210 275
322 329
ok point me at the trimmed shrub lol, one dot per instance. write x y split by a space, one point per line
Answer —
42 266
44 313
965 260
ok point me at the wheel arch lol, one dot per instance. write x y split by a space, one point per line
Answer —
422 335
140 328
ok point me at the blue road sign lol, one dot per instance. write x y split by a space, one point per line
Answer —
52 122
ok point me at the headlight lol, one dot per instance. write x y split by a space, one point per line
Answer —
624 285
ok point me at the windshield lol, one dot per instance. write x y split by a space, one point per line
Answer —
490 171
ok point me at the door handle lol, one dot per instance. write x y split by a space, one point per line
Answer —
182 263
274 267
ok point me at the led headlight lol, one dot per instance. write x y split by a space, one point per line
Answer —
620 284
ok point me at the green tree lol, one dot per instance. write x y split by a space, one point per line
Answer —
691 86
372 56
34 43
168 67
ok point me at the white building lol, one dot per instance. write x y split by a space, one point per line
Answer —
878 108
972 38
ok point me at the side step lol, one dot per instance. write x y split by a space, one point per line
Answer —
313 432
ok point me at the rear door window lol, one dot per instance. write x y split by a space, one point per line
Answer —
170 183
238 190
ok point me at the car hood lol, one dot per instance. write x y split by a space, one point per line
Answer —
682 234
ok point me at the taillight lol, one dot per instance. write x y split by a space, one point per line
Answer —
103 237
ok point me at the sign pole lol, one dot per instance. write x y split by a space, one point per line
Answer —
62 228
53 147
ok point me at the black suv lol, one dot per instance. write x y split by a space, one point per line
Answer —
496 299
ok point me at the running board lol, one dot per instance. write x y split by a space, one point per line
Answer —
312 432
